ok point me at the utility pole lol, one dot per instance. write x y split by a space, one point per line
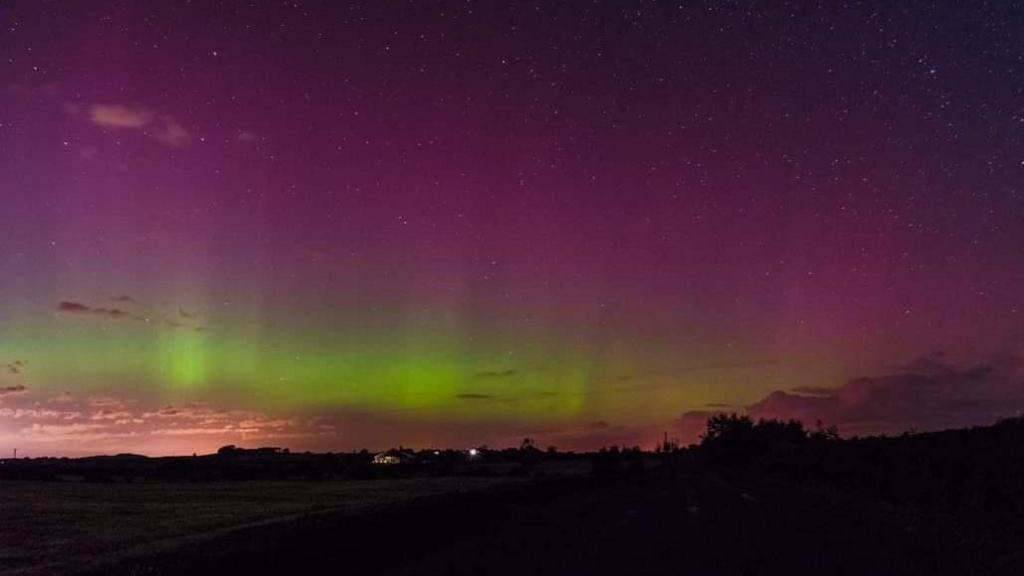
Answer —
15 453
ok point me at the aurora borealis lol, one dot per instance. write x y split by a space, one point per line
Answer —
336 226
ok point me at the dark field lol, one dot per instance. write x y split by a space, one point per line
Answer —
584 525
62 527
587 526
752 498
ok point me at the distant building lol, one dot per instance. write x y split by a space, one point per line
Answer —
395 456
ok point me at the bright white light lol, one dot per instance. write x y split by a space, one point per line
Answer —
472 451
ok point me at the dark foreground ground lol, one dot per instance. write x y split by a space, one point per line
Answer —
62 527
688 524
764 497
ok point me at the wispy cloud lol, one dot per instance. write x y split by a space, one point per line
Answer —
39 414
113 415
112 312
496 373
69 307
12 390
179 319
106 402
63 398
171 133
692 424
106 424
471 396
14 367
119 116
73 307
813 390
162 128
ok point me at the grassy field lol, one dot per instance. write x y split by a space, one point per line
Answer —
688 522
696 524
55 527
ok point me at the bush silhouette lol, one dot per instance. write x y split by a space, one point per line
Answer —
736 440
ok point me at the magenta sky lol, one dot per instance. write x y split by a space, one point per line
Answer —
332 226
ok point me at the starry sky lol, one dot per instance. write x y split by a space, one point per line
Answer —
332 225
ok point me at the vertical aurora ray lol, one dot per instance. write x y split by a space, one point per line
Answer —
183 358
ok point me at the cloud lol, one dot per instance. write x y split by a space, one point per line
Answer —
63 398
812 390
77 426
119 116
64 429
163 128
112 312
112 415
12 390
496 373
39 414
172 133
79 308
165 412
14 367
105 402
73 307
470 396
34 91
692 424
599 425
181 319
926 394
123 298
193 411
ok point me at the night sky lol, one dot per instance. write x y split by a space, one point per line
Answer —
333 226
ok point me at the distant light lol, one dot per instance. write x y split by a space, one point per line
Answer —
472 452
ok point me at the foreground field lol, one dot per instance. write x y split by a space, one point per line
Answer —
58 527
696 524
653 523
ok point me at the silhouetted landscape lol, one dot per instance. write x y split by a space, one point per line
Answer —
764 497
